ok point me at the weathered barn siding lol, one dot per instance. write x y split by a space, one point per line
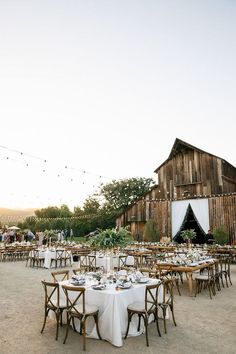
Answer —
194 174
222 212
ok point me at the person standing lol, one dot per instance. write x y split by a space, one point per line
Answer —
209 238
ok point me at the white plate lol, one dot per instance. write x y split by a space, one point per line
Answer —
78 282
125 285
143 280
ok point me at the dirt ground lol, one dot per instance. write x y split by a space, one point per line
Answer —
203 325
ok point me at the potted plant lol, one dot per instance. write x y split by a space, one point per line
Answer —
188 235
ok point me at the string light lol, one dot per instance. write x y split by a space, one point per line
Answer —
34 157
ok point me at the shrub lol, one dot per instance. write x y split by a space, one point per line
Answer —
221 235
151 232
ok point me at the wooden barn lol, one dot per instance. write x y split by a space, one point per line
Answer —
195 189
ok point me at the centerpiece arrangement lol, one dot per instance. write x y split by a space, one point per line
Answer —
188 235
111 239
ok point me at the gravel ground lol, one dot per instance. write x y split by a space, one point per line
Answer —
203 325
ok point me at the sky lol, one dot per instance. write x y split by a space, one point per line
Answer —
100 89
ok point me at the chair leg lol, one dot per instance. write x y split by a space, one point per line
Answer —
146 328
96 322
73 325
84 333
129 320
230 279
139 321
226 279
67 329
164 318
45 319
157 323
177 286
209 288
172 313
58 321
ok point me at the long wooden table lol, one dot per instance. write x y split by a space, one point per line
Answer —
188 270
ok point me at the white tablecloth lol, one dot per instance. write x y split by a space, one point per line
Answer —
106 263
113 316
48 255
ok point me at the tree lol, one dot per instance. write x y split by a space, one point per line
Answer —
65 211
94 214
49 212
91 206
120 194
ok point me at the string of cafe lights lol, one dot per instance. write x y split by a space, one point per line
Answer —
195 196
45 167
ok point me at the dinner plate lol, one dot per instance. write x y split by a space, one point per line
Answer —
125 285
78 282
99 287
143 280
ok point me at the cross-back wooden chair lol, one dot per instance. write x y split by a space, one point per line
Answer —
53 303
78 309
121 261
58 259
92 262
145 308
206 280
36 260
224 272
66 257
83 258
167 271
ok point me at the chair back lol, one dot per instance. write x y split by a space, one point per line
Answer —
92 262
168 293
121 261
74 295
164 271
151 296
224 263
59 255
60 275
150 273
80 270
51 292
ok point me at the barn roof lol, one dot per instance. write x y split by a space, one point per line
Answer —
180 146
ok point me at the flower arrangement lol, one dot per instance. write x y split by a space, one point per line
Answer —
111 238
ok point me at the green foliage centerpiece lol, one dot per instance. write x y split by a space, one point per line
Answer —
188 235
109 239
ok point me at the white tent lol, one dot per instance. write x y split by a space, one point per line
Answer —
13 228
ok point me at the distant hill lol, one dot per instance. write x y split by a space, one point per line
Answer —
12 215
